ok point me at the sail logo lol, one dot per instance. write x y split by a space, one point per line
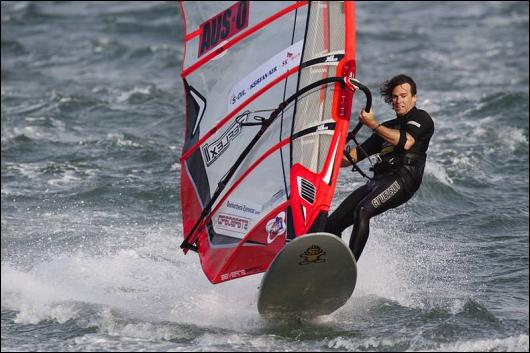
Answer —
223 26
243 208
212 151
290 56
322 127
264 77
232 275
332 59
276 227
232 223
266 73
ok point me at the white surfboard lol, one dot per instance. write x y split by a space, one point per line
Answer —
313 275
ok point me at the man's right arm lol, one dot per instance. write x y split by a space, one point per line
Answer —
371 146
345 162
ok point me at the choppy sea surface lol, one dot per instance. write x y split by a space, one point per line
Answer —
92 122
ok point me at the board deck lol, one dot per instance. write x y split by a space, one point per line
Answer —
313 275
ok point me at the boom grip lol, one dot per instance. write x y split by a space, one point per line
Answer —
367 108
366 92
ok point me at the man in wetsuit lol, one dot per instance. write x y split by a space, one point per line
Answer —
402 144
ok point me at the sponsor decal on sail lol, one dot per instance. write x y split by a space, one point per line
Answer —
213 150
276 227
267 72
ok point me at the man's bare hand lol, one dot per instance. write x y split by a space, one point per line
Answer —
368 119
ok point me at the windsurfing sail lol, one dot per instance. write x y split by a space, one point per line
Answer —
266 124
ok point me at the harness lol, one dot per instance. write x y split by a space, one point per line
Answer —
392 161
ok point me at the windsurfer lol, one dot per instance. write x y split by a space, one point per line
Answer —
401 145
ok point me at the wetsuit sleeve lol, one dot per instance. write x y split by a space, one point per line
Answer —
419 125
369 147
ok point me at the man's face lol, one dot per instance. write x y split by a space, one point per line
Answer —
402 99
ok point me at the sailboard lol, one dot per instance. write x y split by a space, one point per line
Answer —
267 115
320 272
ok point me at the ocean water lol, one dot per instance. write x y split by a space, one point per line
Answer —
92 119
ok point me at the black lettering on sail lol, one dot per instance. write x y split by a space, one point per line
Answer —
222 26
225 31
216 29
205 39
242 15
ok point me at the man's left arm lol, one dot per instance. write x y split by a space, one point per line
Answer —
392 136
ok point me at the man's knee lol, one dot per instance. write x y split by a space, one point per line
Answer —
363 212
331 227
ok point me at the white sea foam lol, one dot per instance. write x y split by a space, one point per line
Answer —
438 172
67 178
509 344
121 140
141 282
56 174
409 266
55 133
103 44
29 170
34 299
514 138
103 343
141 91
368 344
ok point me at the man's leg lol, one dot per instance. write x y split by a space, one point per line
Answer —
387 193
342 217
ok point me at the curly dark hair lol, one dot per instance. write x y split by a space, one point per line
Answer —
388 86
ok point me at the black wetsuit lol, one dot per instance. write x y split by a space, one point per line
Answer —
396 178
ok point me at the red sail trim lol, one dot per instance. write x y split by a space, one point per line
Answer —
351 39
185 29
223 121
240 37
267 153
192 35
190 200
